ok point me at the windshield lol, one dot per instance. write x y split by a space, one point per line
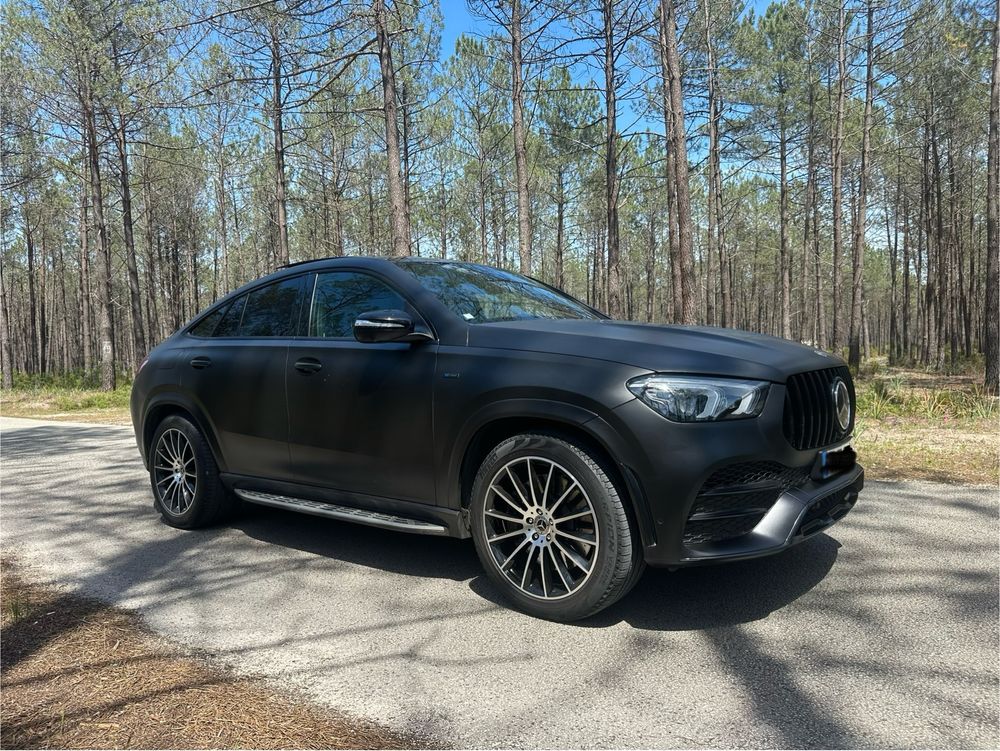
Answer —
481 294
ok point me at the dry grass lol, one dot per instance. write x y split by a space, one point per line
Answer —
78 674
73 403
916 425
961 451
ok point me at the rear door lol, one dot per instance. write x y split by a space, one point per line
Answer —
237 376
360 414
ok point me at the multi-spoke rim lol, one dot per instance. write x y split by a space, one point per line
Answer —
175 472
541 528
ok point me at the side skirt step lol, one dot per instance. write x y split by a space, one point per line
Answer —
344 513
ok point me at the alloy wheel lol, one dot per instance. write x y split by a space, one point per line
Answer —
541 528
175 472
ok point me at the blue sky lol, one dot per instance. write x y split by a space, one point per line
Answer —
456 21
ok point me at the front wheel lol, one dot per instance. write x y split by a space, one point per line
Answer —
551 528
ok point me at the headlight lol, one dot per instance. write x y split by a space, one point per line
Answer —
696 399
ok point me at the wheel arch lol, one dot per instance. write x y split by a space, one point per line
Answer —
160 408
569 422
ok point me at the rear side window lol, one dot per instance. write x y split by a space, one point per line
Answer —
341 296
206 326
230 323
272 310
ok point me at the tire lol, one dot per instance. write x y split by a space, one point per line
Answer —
583 534
178 445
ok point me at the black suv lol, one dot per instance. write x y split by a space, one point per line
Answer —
455 399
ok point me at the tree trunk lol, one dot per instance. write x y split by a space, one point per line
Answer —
807 211
43 329
677 299
651 268
861 224
105 321
905 312
135 304
837 169
29 244
991 314
613 277
678 145
715 233
400 221
786 261
281 212
520 141
6 356
84 289
560 229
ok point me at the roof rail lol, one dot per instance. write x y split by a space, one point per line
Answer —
293 264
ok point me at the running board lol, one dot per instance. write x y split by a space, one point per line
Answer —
344 513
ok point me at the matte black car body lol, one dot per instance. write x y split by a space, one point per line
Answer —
402 427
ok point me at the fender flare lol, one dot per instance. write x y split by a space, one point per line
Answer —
180 401
597 429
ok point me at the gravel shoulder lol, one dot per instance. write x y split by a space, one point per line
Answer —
881 633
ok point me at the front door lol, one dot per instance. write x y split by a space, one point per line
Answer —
360 414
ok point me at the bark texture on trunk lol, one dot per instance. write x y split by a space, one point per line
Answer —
678 145
281 212
837 169
399 220
860 221
520 141
614 281
991 315
138 328
105 320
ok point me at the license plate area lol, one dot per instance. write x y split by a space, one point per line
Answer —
830 463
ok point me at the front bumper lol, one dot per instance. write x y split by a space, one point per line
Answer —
667 465
796 515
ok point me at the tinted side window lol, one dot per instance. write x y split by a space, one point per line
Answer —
272 310
207 325
341 296
230 323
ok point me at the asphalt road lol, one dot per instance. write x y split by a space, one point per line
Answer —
883 632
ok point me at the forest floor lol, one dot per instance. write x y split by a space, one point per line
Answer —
67 402
916 425
911 424
80 674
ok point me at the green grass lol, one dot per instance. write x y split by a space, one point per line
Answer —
893 397
71 400
67 396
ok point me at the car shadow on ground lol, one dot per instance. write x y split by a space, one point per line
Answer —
711 596
396 552
687 599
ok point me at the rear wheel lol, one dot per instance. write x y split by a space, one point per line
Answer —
187 490
551 529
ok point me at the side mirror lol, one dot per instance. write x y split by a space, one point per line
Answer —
387 326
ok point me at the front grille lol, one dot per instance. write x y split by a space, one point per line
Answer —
810 418
734 499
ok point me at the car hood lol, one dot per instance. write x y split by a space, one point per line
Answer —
670 349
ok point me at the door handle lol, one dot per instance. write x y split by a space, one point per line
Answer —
201 362
308 365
